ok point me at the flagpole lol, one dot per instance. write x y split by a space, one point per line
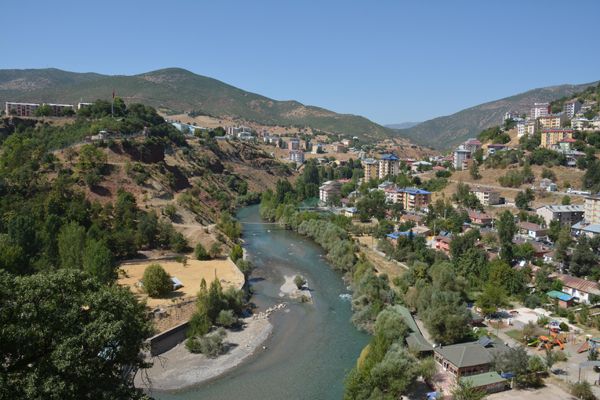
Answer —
112 105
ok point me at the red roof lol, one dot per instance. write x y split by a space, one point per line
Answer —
568 140
580 284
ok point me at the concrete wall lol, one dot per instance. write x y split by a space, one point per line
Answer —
168 339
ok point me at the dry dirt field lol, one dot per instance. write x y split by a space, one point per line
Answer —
190 275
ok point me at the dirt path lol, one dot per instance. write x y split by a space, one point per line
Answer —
392 268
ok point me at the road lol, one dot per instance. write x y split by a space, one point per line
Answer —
514 189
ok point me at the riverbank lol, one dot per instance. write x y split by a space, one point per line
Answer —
290 290
179 369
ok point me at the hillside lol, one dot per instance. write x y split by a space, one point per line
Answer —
175 90
447 131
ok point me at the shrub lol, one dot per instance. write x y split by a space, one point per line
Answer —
201 253
226 318
582 390
157 282
170 211
564 327
299 281
211 344
236 253
199 325
215 250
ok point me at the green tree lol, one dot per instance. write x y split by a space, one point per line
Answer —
523 199
157 282
90 164
236 253
71 243
226 318
474 170
200 253
74 338
492 298
98 261
566 200
215 250
506 231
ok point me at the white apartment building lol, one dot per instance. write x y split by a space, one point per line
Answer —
486 196
540 110
572 107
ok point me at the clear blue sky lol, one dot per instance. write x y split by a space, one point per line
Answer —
390 61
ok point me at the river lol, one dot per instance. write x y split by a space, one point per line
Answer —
312 346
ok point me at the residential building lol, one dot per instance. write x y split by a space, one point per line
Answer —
420 165
488 382
480 218
442 243
532 230
495 147
584 228
527 127
572 107
83 104
581 289
486 196
581 124
551 137
371 169
329 191
461 158
389 164
294 144
563 299
540 110
511 115
416 199
337 148
20 109
394 195
565 215
553 121
59 109
297 156
471 358
472 145
414 218
415 340
592 210
236 130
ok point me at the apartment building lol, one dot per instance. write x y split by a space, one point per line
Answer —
572 107
389 164
486 196
540 110
565 215
297 156
294 144
592 210
371 169
551 137
472 145
554 121
20 109
527 127
416 199
236 131
329 191
461 157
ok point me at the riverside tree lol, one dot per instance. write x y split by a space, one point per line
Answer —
84 343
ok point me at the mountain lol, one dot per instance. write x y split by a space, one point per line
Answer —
445 132
402 125
177 90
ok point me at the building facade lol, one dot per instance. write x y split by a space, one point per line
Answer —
486 196
371 169
592 210
20 109
389 164
540 110
551 137
572 107
554 121
460 158
297 156
329 191
565 215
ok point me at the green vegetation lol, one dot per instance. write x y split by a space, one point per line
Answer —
299 281
200 253
68 321
157 282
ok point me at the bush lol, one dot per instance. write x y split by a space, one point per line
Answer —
211 344
226 318
170 211
236 253
582 390
299 281
199 325
157 282
215 250
201 253
564 327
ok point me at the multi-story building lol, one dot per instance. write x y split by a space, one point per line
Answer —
337 148
511 115
580 124
472 145
416 199
59 109
371 169
486 196
527 127
20 109
394 195
294 144
551 137
461 157
389 164
330 191
592 210
553 121
540 110
565 215
236 131
297 156
572 107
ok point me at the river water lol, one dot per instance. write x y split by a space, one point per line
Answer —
312 346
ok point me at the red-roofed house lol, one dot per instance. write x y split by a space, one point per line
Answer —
442 243
532 230
581 289
480 218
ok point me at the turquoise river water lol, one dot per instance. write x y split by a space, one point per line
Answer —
312 346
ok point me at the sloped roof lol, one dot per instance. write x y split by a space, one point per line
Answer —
470 354
530 226
485 379
580 284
